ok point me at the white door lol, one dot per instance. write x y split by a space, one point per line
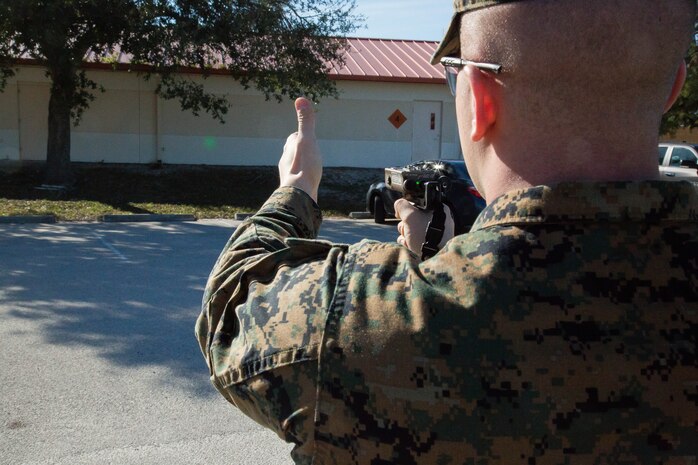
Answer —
33 120
426 132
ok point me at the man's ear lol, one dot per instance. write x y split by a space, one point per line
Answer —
483 102
678 85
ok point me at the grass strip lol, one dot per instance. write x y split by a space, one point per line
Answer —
202 191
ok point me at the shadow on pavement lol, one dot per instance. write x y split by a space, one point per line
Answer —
129 292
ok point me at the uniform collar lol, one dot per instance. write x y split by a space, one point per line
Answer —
646 201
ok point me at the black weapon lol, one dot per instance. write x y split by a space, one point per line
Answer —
428 189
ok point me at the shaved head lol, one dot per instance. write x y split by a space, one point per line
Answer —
582 74
629 50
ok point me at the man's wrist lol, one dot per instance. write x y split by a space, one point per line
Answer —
305 185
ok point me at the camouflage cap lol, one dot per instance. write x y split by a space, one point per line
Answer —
450 45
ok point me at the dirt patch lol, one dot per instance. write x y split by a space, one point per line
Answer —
16 424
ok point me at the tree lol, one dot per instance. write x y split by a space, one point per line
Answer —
684 113
281 47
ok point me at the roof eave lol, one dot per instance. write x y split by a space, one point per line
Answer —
406 80
224 72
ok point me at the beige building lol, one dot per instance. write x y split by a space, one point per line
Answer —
683 135
394 107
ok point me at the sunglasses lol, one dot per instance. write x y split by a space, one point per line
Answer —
453 65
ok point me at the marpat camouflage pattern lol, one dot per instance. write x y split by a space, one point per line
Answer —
561 330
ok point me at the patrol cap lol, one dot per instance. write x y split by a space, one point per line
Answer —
450 45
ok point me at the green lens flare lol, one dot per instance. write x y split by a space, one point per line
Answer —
210 143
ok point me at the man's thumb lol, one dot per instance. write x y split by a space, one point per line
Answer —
306 117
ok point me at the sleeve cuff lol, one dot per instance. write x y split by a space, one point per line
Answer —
297 207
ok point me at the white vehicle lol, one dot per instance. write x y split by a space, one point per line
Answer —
678 161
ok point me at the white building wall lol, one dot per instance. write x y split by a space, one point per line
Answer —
129 124
9 123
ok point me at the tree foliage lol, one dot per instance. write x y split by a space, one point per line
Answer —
280 47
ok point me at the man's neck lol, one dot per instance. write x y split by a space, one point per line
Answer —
503 172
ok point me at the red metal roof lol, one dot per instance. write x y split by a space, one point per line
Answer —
389 60
382 60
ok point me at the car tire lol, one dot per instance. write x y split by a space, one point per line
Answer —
378 210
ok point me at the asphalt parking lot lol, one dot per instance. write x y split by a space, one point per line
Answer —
97 352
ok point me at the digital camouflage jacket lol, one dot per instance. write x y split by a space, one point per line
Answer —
561 330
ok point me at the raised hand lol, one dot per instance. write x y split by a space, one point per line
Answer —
301 163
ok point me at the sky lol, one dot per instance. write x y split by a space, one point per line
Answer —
404 19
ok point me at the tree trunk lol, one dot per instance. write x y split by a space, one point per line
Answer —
58 171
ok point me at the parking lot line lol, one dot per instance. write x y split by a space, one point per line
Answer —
109 246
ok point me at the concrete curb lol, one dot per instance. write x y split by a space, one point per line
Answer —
352 215
27 219
360 215
143 218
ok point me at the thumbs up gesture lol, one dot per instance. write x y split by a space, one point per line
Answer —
301 163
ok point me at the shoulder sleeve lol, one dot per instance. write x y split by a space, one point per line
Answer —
264 312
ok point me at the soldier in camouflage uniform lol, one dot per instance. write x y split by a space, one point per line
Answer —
561 329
